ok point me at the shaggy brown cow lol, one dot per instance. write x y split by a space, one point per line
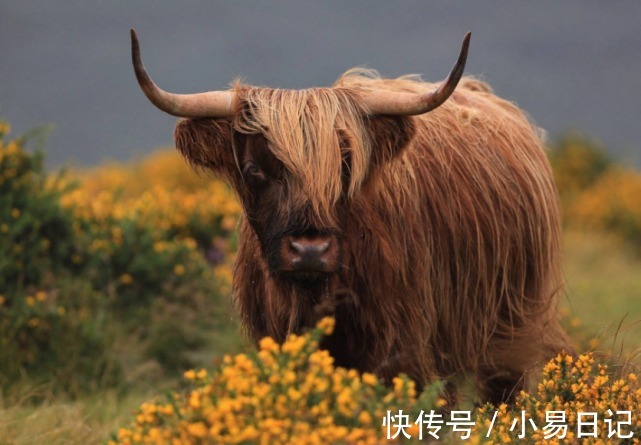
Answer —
431 236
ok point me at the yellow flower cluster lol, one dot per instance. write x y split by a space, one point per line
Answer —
29 317
160 191
293 394
13 164
281 394
612 203
578 397
577 161
5 128
596 192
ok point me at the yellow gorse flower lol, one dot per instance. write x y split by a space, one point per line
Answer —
293 394
570 386
160 191
286 394
5 128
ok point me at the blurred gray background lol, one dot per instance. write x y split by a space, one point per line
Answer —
571 65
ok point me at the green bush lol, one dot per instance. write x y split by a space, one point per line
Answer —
577 162
596 192
73 285
35 231
44 333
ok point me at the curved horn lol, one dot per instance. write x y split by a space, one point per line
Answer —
401 103
208 104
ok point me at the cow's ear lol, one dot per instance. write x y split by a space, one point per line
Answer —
389 135
206 143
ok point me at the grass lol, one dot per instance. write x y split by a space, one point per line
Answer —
56 422
35 416
603 285
603 291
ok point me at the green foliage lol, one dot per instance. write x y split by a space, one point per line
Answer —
43 334
73 285
597 193
577 162
34 229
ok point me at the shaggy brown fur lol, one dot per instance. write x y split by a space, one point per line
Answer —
447 224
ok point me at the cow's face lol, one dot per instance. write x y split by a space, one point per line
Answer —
300 238
299 241
298 160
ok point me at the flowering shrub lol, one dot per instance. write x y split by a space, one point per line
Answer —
293 394
596 193
577 162
612 204
34 228
167 238
162 192
88 263
153 219
577 401
280 394
44 331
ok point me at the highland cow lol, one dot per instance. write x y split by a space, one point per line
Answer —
423 217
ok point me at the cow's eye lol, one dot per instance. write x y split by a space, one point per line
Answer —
254 170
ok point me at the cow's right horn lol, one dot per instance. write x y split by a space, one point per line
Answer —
207 104
407 104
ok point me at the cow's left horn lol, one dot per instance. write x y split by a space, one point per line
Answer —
400 103
208 104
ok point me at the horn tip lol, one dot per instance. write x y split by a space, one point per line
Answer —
466 39
134 35
135 50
